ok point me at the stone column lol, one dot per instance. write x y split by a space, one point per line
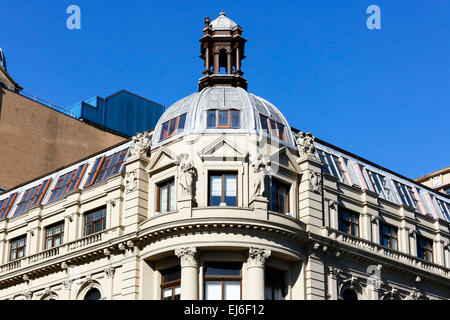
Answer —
189 272
238 60
255 273
228 62
216 63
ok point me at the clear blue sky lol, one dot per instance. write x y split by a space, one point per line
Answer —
382 94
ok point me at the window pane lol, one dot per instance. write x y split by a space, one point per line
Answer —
281 133
167 294
171 274
163 203
172 196
57 241
282 199
88 229
164 128
278 294
235 118
97 226
232 290
89 217
223 269
49 243
394 244
216 190
223 118
211 119
172 125
181 122
97 215
213 290
267 293
230 190
263 120
177 293
274 197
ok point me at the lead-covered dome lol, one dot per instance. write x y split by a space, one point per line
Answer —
229 110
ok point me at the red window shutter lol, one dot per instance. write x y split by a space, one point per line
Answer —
93 173
80 177
7 205
44 191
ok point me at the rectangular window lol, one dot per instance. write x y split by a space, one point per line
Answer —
264 126
223 189
223 119
166 196
444 208
105 167
277 130
388 236
172 127
17 248
171 284
223 280
54 235
6 204
274 284
425 249
348 221
279 196
67 183
32 197
95 221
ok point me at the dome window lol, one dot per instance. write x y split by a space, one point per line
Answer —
277 130
223 119
172 127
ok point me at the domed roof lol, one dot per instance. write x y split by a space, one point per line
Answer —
222 23
253 111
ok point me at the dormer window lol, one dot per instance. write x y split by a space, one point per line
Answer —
273 128
223 119
172 127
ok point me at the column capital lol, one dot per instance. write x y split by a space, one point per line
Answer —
257 257
188 256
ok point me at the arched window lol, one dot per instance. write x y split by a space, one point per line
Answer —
93 294
350 295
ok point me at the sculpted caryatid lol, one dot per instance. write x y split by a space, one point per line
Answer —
187 176
141 144
261 168
305 144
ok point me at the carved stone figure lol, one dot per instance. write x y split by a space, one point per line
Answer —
315 182
187 176
261 167
141 144
131 181
305 144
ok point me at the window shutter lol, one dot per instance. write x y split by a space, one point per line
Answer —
94 172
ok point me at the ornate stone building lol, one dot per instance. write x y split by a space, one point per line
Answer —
224 200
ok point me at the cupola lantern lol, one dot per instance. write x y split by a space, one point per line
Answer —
222 49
